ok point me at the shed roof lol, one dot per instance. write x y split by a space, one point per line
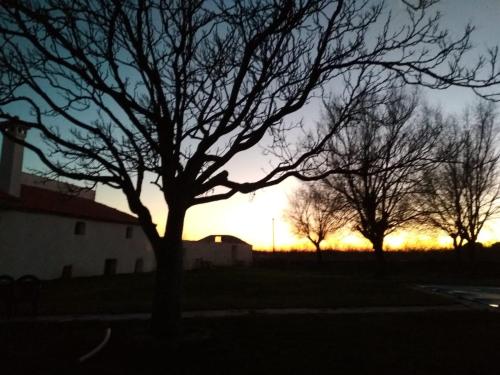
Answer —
35 199
224 239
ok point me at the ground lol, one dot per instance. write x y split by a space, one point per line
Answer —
423 343
432 342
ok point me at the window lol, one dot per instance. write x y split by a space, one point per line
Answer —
80 228
234 254
218 239
67 271
139 265
129 231
110 267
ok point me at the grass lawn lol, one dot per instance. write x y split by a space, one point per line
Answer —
394 343
424 343
232 288
282 280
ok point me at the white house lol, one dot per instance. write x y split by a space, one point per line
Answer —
52 229
219 250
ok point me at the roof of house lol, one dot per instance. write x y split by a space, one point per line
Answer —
224 239
35 199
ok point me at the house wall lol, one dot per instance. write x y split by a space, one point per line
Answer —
200 253
41 244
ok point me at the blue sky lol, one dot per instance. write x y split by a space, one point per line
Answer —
250 216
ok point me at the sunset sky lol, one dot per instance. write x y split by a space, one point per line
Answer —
250 217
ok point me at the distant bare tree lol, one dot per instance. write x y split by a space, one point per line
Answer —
315 212
461 192
387 144
129 91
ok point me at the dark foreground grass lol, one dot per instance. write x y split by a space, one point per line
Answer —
424 343
235 288
398 343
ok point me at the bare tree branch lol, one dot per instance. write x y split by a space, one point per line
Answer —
315 212
461 192
388 143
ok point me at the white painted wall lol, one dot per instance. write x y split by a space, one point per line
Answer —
41 244
216 254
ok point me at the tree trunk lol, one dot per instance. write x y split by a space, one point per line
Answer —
457 246
318 253
471 250
378 248
167 302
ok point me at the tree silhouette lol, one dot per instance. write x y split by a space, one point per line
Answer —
387 144
121 90
461 191
316 211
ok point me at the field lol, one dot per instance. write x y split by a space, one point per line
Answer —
231 288
282 280
433 342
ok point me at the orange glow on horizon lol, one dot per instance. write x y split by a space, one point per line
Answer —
250 218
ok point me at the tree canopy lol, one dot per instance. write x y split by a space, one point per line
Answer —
387 145
461 191
315 211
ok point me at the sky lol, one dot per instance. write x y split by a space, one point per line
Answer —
251 217
256 217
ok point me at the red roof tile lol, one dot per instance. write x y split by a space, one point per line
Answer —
35 199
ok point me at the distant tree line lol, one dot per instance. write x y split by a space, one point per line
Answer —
408 165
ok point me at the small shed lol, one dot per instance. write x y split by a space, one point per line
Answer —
217 250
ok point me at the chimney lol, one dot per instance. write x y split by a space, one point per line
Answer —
11 163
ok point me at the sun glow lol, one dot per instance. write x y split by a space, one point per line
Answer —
250 217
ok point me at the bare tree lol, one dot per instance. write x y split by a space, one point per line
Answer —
121 90
461 191
315 212
387 144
